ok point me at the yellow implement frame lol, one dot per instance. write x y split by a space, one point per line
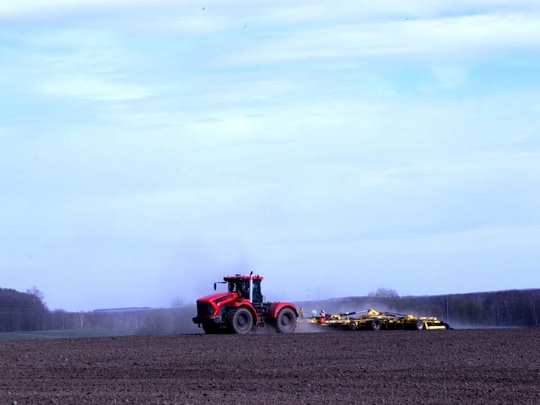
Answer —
372 319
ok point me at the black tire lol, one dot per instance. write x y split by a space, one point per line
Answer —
241 321
418 325
211 328
286 321
375 325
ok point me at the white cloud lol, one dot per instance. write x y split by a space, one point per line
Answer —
77 64
92 89
231 15
40 7
451 38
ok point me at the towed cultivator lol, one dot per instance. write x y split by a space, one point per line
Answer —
375 320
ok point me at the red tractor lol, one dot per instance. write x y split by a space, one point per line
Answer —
241 309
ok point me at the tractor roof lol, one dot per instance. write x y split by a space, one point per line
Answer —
241 277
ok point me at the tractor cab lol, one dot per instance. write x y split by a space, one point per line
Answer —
247 287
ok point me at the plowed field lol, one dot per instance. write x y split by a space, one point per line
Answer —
394 367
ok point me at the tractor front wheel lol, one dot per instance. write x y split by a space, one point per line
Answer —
286 321
211 328
241 321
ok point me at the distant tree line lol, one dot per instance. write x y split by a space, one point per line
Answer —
27 311
147 321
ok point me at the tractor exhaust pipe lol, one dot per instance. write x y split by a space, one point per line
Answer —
251 287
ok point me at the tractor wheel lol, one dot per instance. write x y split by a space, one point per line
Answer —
241 321
211 328
375 325
418 325
286 321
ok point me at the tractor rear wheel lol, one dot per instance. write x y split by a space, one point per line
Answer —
241 321
286 321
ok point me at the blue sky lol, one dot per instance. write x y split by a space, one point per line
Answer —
148 148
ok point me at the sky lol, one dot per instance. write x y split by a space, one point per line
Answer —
149 148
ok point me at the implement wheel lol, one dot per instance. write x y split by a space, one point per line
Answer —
418 325
375 325
286 321
241 321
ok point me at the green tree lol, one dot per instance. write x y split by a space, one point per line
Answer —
384 293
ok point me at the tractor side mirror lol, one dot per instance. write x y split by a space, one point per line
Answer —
215 286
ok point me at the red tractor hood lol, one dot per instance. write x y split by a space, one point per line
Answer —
220 297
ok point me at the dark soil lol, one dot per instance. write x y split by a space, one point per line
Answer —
393 367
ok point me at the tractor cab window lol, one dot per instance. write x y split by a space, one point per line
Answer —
233 286
240 286
244 292
257 293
